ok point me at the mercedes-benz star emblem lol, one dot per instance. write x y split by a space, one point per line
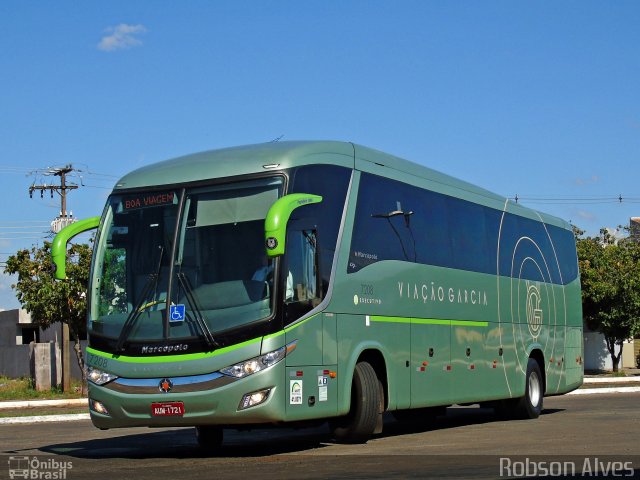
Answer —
165 385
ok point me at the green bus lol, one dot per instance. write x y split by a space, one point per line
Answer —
293 282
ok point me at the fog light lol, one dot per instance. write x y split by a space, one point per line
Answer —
254 398
98 407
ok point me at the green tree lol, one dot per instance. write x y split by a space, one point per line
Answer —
610 277
50 301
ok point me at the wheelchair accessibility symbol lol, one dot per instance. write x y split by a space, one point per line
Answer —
176 313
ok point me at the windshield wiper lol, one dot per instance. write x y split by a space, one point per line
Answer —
197 313
150 284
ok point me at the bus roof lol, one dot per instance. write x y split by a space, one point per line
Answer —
273 156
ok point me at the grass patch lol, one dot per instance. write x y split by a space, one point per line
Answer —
29 412
23 389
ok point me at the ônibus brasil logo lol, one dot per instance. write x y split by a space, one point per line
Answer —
33 467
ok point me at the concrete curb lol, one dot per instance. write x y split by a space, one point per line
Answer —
45 418
71 402
612 380
589 391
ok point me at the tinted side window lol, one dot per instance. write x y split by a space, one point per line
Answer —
472 247
388 224
565 245
331 182
396 221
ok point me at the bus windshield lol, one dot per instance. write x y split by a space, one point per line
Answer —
215 278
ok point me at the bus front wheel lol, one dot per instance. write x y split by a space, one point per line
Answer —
367 406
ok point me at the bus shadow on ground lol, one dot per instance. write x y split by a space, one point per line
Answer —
181 442
456 417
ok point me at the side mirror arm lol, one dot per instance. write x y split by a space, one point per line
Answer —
59 245
275 224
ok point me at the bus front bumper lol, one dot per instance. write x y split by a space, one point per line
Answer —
189 401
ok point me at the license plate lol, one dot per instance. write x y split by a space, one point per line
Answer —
167 409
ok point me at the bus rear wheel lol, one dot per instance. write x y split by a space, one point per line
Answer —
367 406
528 406
209 437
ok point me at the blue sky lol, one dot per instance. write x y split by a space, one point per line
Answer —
539 99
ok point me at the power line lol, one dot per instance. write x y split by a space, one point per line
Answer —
8 169
23 228
22 238
22 221
88 170
560 200
96 186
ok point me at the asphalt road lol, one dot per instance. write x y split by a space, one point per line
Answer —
469 442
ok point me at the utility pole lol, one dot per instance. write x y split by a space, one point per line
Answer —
64 220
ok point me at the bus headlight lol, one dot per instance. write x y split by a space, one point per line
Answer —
256 364
98 376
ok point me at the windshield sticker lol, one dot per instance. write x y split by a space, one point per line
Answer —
176 313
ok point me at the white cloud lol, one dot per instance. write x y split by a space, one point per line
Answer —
584 215
586 181
121 37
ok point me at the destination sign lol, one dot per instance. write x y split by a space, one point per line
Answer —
146 200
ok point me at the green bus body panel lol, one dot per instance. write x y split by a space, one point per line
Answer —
308 368
237 161
437 335
59 245
465 312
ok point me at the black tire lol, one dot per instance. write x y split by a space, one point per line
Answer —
530 405
367 406
209 437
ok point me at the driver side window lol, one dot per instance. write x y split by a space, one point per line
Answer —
302 286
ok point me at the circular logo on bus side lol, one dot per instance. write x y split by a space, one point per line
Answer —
534 312
165 385
272 243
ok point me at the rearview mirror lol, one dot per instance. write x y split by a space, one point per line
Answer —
59 245
275 224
